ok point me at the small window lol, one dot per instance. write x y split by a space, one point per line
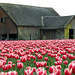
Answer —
1 20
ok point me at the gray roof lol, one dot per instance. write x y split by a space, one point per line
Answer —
24 15
56 22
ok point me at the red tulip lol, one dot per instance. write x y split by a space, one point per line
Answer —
51 69
18 61
58 72
39 56
47 66
34 62
29 71
73 69
25 72
28 59
43 53
46 58
17 56
34 69
9 66
64 57
65 62
58 67
49 54
58 54
9 62
5 67
23 59
20 65
28 68
41 71
57 58
13 65
68 72
1 63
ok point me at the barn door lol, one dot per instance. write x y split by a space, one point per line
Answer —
13 37
71 33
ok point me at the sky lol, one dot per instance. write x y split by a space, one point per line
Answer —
62 7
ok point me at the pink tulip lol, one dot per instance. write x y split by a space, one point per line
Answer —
9 66
65 62
20 65
28 71
9 62
23 59
64 57
46 58
5 67
68 72
51 69
39 56
41 71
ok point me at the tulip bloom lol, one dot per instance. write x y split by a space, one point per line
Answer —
5 67
64 57
9 62
46 58
23 59
20 65
65 62
68 72
9 66
29 71
39 56
54 70
41 71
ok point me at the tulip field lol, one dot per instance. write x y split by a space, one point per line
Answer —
37 57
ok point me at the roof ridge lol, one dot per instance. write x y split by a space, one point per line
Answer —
59 16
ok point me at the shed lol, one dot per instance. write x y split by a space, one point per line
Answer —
58 27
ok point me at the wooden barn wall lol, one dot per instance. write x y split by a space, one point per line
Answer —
59 33
52 34
71 25
25 33
8 27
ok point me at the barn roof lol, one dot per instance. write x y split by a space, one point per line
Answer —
56 22
25 15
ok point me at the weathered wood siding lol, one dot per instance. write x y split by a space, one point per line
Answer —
24 33
71 25
8 27
52 34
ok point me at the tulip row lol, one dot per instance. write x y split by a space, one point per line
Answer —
9 73
54 70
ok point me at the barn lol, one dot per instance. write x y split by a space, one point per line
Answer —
58 27
22 22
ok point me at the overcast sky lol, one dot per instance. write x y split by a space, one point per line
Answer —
63 7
